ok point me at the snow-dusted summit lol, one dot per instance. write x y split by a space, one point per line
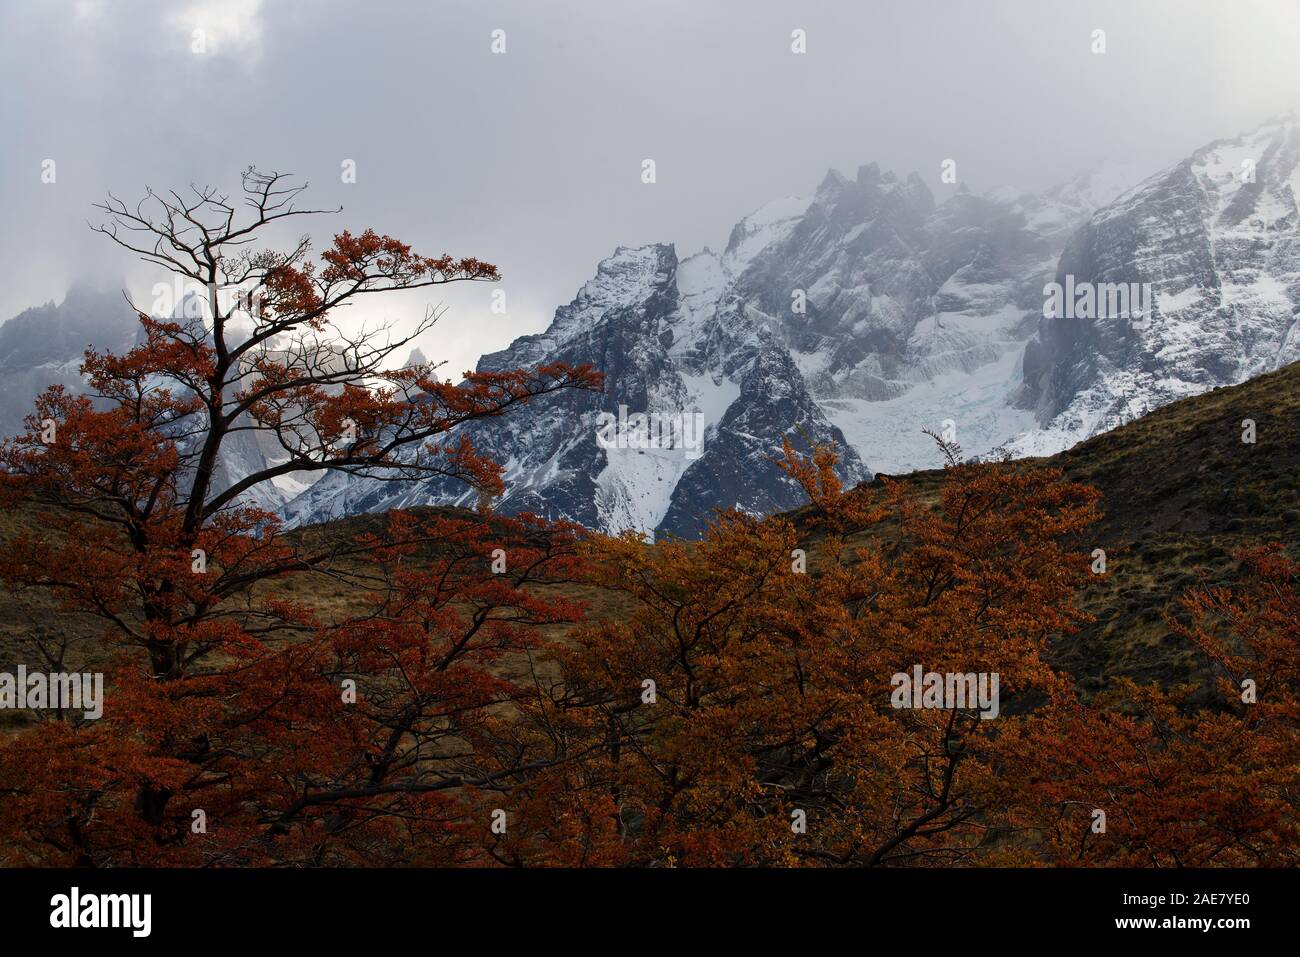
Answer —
1217 238
860 315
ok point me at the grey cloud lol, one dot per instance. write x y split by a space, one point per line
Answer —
532 159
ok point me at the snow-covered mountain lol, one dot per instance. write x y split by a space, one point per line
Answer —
860 315
867 313
1217 238
674 342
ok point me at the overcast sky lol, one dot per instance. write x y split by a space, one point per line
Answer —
532 159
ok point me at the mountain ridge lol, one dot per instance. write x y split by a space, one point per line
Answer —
862 315
822 319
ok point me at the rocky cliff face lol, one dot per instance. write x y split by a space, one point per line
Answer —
861 315
1216 241
673 345
916 313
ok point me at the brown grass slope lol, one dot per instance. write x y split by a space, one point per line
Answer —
1181 494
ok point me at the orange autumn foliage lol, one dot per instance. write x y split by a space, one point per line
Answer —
742 711
772 687
1184 785
229 736
418 693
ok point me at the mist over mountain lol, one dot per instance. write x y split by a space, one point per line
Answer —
863 314
45 345
1217 238
868 313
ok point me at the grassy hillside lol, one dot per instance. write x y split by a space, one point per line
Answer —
1181 493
